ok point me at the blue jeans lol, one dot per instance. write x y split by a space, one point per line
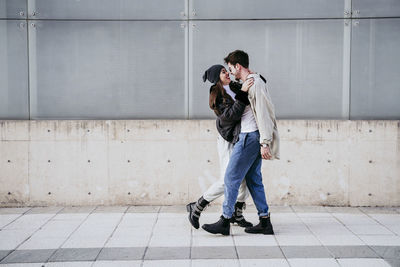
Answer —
245 161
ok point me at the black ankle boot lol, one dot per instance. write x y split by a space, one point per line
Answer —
220 227
195 209
264 227
238 215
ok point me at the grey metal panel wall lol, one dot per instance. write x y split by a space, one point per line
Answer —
120 59
375 68
13 9
106 9
107 69
13 70
265 9
374 8
301 59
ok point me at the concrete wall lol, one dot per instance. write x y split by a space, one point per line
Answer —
87 162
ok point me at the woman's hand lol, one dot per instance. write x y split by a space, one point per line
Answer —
247 84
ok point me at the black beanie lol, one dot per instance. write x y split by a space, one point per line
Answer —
212 74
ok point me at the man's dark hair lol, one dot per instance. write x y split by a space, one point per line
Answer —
238 56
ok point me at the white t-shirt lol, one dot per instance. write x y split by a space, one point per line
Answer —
229 91
248 123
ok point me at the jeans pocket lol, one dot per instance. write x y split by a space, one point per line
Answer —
244 139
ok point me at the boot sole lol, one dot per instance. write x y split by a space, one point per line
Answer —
269 233
215 233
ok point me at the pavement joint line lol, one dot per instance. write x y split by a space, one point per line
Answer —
333 256
191 244
71 233
276 240
22 214
108 239
350 230
151 236
331 213
236 251
379 222
370 247
15 249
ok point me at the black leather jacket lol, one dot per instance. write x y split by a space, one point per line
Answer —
230 112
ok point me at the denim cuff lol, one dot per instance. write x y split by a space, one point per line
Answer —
226 216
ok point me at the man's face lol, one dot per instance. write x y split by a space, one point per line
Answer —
234 70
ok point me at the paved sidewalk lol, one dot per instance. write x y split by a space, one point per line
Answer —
162 236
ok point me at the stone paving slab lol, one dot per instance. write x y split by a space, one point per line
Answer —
111 209
213 252
265 263
356 262
116 264
75 254
143 209
309 209
167 263
28 256
134 253
171 253
44 210
393 262
319 236
13 210
81 209
216 263
380 210
173 209
185 253
306 252
352 252
387 252
258 252
350 210
4 253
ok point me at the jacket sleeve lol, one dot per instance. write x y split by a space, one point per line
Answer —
235 86
264 111
231 112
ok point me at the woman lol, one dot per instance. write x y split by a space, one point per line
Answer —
228 100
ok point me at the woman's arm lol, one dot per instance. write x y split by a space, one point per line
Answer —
232 112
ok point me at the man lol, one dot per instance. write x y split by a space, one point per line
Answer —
258 140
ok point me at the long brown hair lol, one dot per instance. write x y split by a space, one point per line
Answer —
217 91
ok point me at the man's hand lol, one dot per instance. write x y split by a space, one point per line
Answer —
266 153
247 84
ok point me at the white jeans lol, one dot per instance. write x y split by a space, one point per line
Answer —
217 189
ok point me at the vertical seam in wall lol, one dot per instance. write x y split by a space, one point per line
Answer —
187 60
350 52
346 65
27 55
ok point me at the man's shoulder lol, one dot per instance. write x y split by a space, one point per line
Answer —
258 78
259 82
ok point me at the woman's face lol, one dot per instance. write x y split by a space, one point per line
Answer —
224 77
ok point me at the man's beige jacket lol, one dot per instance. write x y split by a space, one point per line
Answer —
264 112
